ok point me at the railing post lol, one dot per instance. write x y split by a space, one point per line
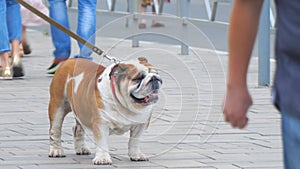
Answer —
264 46
134 8
208 9
183 12
214 11
161 6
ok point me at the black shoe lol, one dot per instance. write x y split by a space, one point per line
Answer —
55 65
26 48
17 66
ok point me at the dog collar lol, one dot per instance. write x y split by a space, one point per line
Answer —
112 80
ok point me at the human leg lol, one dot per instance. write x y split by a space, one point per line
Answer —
4 42
86 26
143 9
5 71
14 27
61 41
14 22
25 45
291 141
155 24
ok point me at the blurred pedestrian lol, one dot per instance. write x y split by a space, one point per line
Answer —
143 9
10 32
286 91
30 19
86 28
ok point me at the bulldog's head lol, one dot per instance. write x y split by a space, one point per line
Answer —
137 83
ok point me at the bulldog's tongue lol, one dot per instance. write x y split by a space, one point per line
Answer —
147 99
150 97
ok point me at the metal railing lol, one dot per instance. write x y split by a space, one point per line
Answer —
211 6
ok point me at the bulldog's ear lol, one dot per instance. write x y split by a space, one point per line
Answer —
122 67
143 60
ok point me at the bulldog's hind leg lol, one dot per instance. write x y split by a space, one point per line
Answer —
79 140
57 112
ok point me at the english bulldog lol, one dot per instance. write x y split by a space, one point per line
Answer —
111 100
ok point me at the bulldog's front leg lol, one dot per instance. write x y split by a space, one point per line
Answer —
102 156
134 150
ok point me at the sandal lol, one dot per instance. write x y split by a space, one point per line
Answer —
6 73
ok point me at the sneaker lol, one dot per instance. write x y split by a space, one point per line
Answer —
55 65
17 66
6 73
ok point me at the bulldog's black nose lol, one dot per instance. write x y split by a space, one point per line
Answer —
156 82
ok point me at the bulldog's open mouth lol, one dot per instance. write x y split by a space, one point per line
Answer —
151 98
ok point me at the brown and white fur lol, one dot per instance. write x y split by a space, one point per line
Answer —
110 100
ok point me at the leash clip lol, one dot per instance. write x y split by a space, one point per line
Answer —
112 59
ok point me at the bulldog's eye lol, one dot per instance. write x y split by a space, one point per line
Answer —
139 78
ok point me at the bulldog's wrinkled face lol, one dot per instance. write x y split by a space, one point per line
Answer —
138 82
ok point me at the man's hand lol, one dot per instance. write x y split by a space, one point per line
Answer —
236 104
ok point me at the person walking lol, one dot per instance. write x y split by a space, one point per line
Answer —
10 32
286 90
31 20
143 9
86 28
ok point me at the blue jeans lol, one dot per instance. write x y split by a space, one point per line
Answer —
86 27
291 141
10 24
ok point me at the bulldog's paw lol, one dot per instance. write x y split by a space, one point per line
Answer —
138 157
83 151
103 159
56 152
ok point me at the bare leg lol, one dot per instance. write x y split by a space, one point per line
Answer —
4 60
25 46
6 69
143 22
154 22
24 39
15 45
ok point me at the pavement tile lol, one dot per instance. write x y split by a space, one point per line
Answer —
180 163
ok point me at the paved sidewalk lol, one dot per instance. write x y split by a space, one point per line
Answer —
187 128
